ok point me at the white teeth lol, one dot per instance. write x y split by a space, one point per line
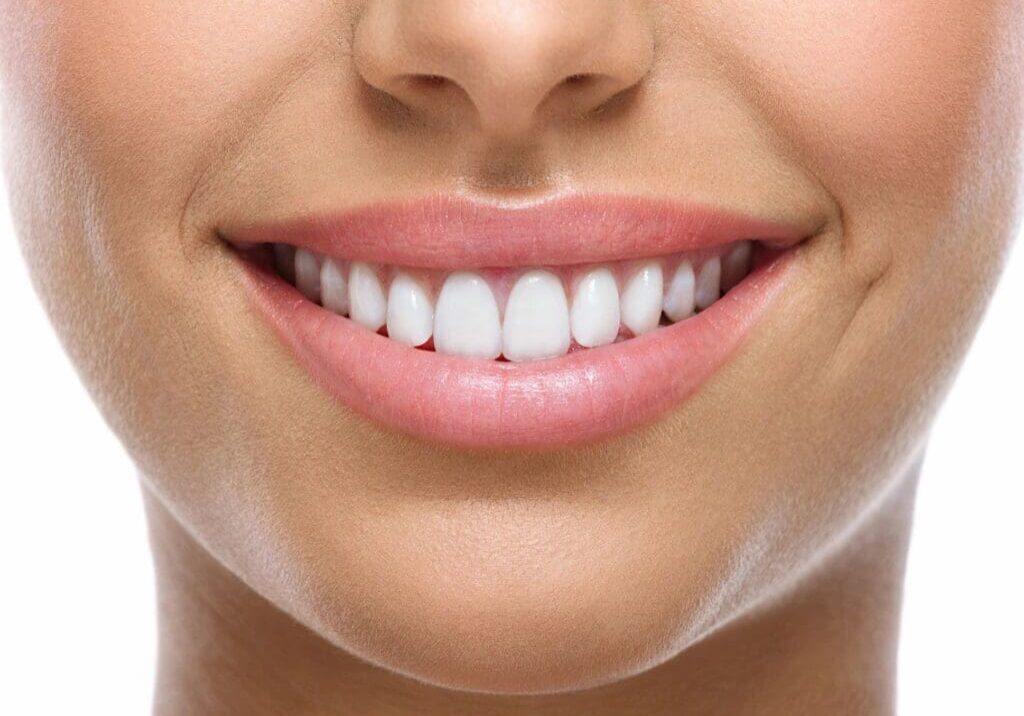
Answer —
736 265
595 309
366 301
284 260
307 274
333 288
679 298
708 283
536 318
410 314
466 319
642 298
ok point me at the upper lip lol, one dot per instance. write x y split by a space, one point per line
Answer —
452 231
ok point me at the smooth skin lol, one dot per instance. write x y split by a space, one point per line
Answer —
742 556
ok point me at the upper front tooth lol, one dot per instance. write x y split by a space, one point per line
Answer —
410 315
307 274
366 301
536 318
333 288
595 309
466 321
642 298
708 283
679 298
736 265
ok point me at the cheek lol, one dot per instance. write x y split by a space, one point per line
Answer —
143 96
119 108
116 109
876 95
905 112
161 77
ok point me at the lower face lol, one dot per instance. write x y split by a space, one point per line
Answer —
390 387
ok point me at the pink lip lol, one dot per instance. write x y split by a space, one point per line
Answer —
452 232
580 397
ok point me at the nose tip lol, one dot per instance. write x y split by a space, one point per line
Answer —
502 60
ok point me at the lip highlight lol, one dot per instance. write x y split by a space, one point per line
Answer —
576 398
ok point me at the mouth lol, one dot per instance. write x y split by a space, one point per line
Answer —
535 326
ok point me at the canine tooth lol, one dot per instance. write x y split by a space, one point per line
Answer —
642 298
466 321
284 260
333 288
410 313
708 283
307 274
536 318
679 298
366 301
595 309
736 265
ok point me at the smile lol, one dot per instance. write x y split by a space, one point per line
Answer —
534 326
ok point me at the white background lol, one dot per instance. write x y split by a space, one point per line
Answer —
76 603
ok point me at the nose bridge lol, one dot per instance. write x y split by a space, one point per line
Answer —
507 56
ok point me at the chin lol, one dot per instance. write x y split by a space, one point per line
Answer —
526 635
519 600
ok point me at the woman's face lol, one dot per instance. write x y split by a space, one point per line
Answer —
515 526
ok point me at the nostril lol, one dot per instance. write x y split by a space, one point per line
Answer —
497 63
578 81
428 82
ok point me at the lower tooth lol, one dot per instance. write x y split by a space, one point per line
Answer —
367 304
536 318
708 283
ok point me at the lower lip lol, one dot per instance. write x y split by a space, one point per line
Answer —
578 398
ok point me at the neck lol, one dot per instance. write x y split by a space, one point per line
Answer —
827 644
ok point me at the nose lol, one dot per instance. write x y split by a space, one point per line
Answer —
503 60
